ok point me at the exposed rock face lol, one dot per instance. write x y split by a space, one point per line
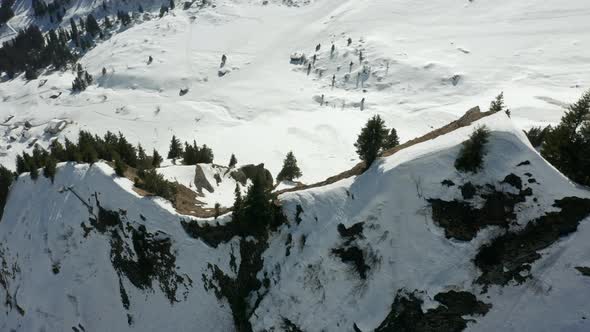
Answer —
201 181
407 315
250 172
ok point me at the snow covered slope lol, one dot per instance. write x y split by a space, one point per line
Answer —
423 64
88 253
126 266
352 247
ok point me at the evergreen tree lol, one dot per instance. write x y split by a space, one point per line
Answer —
82 25
290 170
497 104
21 166
171 4
34 171
238 204
6 178
175 151
233 161
371 139
567 146
92 25
156 159
57 151
163 10
257 209
50 168
470 158
6 13
392 140
217 208
120 167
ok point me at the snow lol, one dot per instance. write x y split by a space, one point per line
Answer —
426 62
318 292
269 106
41 227
223 192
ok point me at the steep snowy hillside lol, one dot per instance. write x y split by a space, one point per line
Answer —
352 252
409 243
88 254
419 64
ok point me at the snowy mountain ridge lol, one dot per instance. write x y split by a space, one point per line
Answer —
83 240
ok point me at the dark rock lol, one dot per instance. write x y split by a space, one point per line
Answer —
509 256
467 190
406 313
353 255
201 181
246 172
513 180
524 163
447 183
584 270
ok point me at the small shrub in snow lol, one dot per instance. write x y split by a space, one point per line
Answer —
470 157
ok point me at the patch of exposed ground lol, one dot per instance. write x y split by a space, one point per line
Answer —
462 221
509 257
407 315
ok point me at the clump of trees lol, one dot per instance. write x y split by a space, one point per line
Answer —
567 146
6 12
470 158
537 135
6 178
255 212
191 153
89 149
82 81
30 51
290 170
373 138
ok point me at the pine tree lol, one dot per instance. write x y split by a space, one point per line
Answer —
34 171
57 151
143 161
156 159
290 170
21 166
120 167
233 161
392 140
6 178
75 33
370 140
238 204
257 210
497 104
92 25
567 146
175 148
50 168
470 158
217 210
